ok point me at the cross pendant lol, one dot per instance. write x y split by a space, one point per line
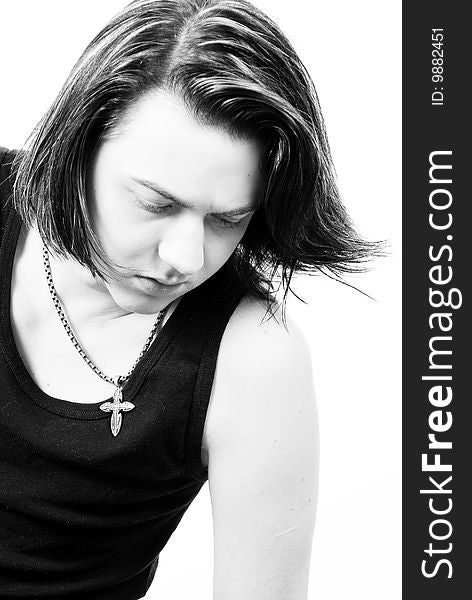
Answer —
115 407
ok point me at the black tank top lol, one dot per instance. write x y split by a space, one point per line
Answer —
83 514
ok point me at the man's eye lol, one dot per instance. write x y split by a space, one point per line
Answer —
161 209
153 208
227 223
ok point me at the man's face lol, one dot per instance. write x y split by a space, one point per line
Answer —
169 199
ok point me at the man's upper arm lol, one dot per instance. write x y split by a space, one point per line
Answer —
263 456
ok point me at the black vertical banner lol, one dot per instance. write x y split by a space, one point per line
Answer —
437 216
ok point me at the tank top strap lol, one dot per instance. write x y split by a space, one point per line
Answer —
6 185
218 314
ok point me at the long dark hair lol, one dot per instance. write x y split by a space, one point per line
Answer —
233 68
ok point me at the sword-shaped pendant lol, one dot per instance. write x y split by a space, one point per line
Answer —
115 407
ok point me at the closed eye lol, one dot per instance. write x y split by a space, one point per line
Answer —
228 222
157 209
161 209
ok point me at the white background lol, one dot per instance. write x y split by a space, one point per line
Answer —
352 50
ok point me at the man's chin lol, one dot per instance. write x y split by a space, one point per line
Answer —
131 301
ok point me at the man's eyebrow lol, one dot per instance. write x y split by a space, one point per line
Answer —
181 203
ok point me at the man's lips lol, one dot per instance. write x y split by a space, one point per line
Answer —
154 286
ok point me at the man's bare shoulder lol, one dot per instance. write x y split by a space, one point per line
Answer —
260 356
262 457
253 326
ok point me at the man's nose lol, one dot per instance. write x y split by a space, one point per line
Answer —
182 247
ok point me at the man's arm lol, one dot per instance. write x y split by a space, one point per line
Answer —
262 442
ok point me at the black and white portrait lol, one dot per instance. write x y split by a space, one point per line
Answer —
200 300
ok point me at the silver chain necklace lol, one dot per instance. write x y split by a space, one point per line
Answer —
117 405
